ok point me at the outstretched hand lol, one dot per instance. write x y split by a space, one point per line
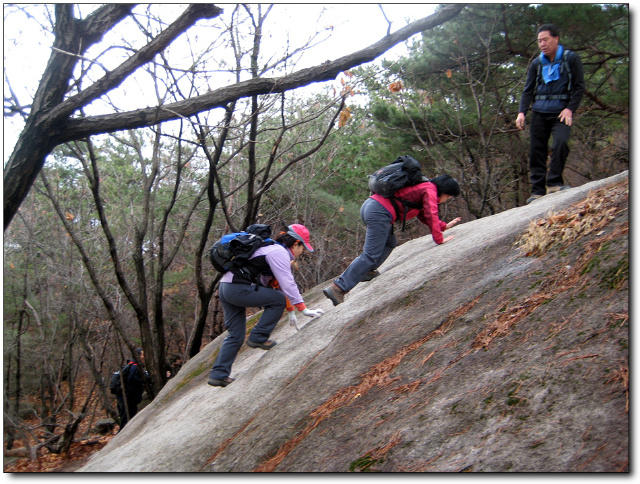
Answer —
312 313
453 222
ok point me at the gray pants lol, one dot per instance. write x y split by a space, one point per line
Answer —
379 242
235 298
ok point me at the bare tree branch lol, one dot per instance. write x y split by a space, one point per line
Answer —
82 127
49 122
114 78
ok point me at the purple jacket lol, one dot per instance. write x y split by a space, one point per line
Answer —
279 259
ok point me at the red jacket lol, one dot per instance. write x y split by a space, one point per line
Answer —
426 194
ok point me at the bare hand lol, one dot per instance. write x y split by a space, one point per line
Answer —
448 239
520 121
453 222
566 117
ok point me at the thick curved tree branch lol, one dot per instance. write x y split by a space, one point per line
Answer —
82 127
624 111
50 125
50 111
147 53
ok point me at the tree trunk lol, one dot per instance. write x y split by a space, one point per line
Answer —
49 113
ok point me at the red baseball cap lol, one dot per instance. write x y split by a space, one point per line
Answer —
300 232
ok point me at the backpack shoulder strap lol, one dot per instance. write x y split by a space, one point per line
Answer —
406 205
252 268
566 64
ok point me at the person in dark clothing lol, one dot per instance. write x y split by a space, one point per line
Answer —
378 213
133 388
554 90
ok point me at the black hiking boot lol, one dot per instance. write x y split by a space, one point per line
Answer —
220 383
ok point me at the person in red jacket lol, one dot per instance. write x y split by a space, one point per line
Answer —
379 213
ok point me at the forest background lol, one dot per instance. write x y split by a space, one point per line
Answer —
106 250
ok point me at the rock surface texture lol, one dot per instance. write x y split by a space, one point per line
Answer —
468 356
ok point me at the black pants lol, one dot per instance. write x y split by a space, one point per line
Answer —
132 406
543 126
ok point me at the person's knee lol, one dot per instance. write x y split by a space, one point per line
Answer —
270 298
279 300
236 333
233 340
369 256
560 146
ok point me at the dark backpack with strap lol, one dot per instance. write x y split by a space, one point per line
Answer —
406 171
233 251
115 386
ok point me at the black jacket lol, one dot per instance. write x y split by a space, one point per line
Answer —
571 83
133 382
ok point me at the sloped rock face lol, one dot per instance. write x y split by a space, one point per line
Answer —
467 356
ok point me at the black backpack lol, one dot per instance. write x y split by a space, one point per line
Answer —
404 172
232 251
115 386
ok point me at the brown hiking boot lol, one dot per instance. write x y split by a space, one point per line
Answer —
557 188
267 345
334 293
370 275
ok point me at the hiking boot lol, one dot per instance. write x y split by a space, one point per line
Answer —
370 275
267 345
533 198
220 383
334 293
557 188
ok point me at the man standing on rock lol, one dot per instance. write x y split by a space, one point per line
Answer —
555 85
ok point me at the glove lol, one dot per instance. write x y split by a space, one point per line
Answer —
293 321
312 313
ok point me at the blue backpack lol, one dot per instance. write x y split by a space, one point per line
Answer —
233 251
